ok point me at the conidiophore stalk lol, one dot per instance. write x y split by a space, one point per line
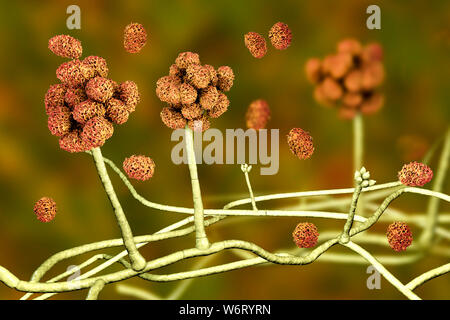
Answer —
137 261
433 205
201 240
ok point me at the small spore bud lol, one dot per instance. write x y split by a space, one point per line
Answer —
176 72
372 75
54 98
45 209
134 37
96 131
75 96
188 94
139 167
301 143
331 89
352 99
208 97
353 81
351 46
373 103
198 76
88 109
72 142
212 74
70 73
129 94
168 89
313 70
372 52
256 44
258 114
185 59
59 122
220 107
399 236
65 46
100 89
98 64
172 118
280 36
201 124
225 77
415 174
338 65
192 111
305 235
117 111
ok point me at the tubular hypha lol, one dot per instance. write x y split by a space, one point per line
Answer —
194 92
415 174
280 36
85 93
45 209
139 167
134 37
256 44
349 78
399 236
305 235
301 143
258 114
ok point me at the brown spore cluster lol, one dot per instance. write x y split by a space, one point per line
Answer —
134 37
258 114
256 44
139 167
300 143
45 209
399 236
415 174
280 36
305 235
349 78
194 93
65 46
83 107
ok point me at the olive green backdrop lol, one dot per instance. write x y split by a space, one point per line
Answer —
416 39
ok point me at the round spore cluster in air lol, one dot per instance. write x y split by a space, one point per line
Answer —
349 78
300 143
258 114
134 37
415 174
280 36
45 209
256 44
305 235
83 107
399 236
194 93
139 167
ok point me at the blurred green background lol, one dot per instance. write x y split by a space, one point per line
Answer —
416 39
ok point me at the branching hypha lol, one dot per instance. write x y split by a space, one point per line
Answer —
84 106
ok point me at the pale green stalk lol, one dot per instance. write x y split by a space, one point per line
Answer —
95 290
382 270
137 260
201 240
434 273
426 237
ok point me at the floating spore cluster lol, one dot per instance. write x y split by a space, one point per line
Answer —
349 78
194 93
83 107
280 37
